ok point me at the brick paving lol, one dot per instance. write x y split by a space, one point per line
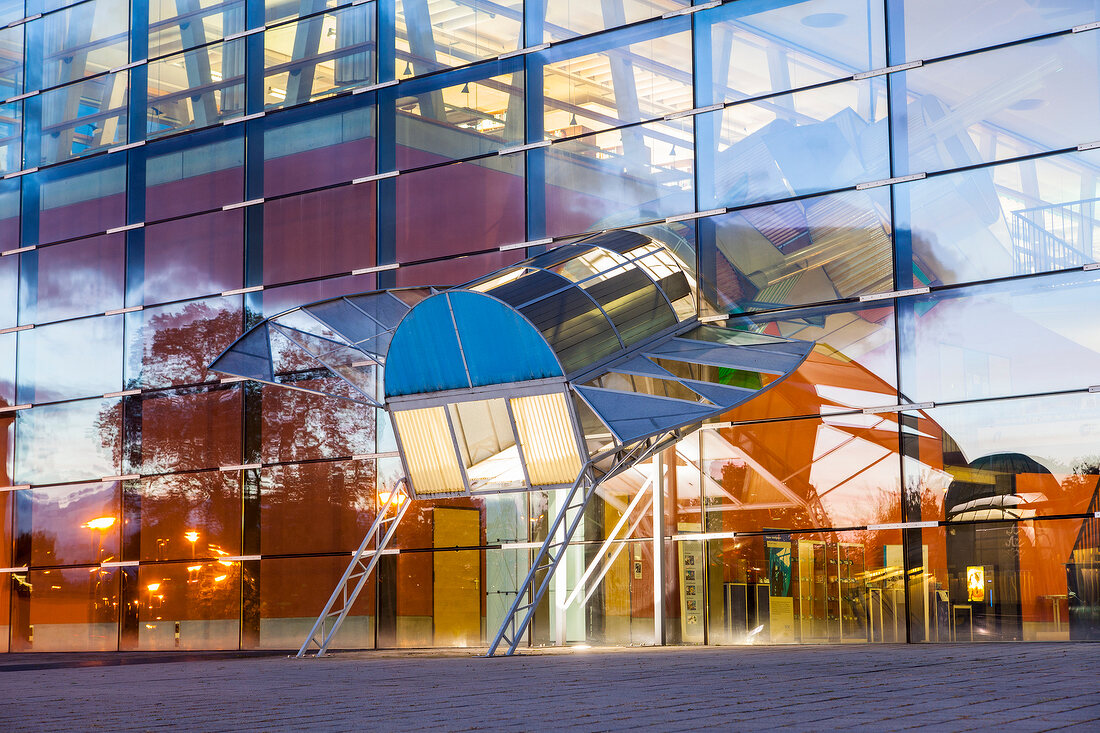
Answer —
1020 687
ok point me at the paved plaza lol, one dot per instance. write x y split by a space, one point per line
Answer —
1025 687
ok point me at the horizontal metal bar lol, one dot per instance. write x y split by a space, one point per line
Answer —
127 146
893 294
1089 146
692 9
903 525
242 34
523 51
375 87
695 215
521 148
1091 266
21 21
244 118
376 177
126 228
1094 389
124 393
376 268
520 545
17 329
1096 515
119 564
120 311
242 204
241 467
239 558
20 569
524 245
17 487
122 477
25 95
714 319
23 172
887 70
19 249
693 112
131 65
1085 27
230 380
242 291
898 408
16 408
888 181
368 456
700 536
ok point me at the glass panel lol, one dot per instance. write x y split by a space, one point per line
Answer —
574 326
81 118
1002 339
763 47
173 344
277 10
319 56
338 223
809 251
80 278
545 427
1012 219
799 143
1007 581
47 355
433 464
934 28
618 177
455 271
805 587
9 213
176 25
71 525
188 431
617 79
569 18
66 611
7 369
12 10
1030 98
289 593
184 606
483 208
277 300
198 255
69 442
11 130
9 291
189 516
436 35
12 49
7 453
196 88
316 507
851 366
297 426
487 444
197 172
81 198
1005 460
86 39
478 112
309 151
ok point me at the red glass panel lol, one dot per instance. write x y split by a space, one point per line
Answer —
278 300
191 516
183 432
80 278
316 507
189 606
82 203
175 343
289 593
186 181
456 271
299 426
75 524
66 610
201 255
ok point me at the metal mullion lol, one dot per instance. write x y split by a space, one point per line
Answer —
519 447
458 452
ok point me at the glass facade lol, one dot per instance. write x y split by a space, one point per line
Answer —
909 184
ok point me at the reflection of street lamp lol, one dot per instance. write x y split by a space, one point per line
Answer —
191 536
100 525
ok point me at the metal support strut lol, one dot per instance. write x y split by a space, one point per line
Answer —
392 509
553 549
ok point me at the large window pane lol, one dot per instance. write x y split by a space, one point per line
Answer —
609 80
189 516
9 291
457 271
1002 339
763 47
74 441
79 119
9 213
7 370
297 426
189 430
66 611
197 172
318 56
195 256
196 88
569 18
934 28
81 198
799 143
436 35
176 25
291 595
71 525
279 10
80 278
47 355
316 507
304 151
483 208
809 251
86 39
11 131
617 177
277 300
173 344
1011 219
1030 98
452 117
189 606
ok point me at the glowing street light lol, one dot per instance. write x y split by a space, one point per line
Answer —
100 523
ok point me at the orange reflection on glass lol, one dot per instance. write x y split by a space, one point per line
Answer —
100 523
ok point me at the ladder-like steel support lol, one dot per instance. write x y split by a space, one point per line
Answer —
550 555
392 509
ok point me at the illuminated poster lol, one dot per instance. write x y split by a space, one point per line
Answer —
781 604
691 586
975 583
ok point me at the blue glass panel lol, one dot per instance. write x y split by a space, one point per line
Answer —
498 344
424 355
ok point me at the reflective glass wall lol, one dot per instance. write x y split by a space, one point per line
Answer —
910 184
